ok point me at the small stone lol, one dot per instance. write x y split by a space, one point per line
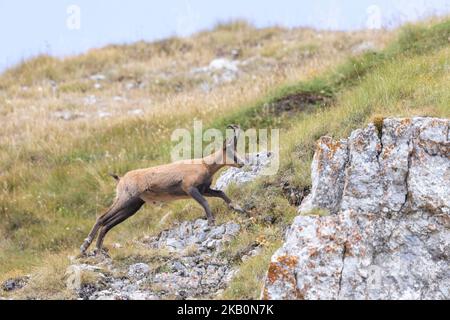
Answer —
76 273
201 223
104 114
15 283
90 100
118 98
205 87
138 295
174 243
223 64
232 228
117 245
178 267
136 112
211 244
138 270
196 238
217 232
130 86
236 53
68 115
97 77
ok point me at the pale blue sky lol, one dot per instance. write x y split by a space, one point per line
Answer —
28 27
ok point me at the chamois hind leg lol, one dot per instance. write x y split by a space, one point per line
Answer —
133 205
197 196
92 234
118 205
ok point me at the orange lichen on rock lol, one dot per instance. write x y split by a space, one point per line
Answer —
326 148
387 151
332 146
313 252
404 125
282 269
289 261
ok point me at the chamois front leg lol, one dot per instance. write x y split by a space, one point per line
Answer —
197 196
220 194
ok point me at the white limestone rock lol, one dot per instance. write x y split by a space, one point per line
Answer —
254 166
387 235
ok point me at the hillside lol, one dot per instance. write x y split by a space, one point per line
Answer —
67 123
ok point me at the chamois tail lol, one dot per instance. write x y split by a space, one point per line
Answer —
115 176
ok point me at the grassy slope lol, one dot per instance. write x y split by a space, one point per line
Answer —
410 77
53 173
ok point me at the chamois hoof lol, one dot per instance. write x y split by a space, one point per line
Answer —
211 222
81 255
101 252
85 245
83 248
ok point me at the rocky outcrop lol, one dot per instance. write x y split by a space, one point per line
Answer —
254 165
188 264
15 283
376 224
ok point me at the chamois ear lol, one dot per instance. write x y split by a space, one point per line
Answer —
237 130
232 141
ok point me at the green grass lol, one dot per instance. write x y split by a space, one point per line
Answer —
422 38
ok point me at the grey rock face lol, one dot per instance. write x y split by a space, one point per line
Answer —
387 235
15 283
328 170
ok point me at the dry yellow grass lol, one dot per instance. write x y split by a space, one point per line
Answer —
29 101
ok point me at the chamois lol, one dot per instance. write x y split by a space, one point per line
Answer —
178 180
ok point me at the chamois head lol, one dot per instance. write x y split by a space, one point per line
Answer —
231 157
